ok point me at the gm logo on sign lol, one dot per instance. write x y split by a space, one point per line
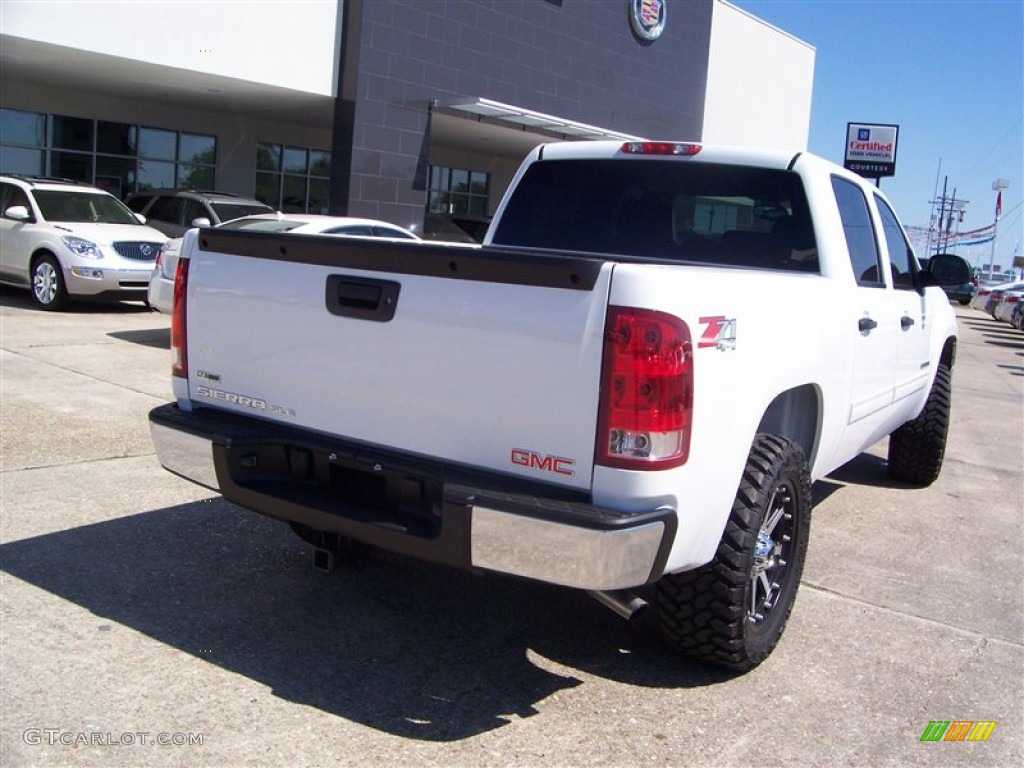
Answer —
863 134
958 730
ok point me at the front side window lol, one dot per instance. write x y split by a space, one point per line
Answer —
902 262
860 234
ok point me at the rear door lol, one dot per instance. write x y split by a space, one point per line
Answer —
912 366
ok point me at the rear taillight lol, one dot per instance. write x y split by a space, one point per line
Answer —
1011 299
179 350
646 409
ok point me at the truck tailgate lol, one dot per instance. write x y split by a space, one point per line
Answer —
483 357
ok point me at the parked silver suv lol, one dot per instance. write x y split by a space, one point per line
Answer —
175 211
65 239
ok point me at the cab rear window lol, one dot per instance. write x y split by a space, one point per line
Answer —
677 211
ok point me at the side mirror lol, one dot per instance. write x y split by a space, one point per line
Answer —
18 213
141 218
947 269
200 221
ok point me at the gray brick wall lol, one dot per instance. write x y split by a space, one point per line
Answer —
576 59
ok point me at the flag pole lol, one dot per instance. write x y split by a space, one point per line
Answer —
998 185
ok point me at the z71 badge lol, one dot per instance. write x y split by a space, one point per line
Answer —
720 333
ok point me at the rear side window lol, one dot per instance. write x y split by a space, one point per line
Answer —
657 209
860 234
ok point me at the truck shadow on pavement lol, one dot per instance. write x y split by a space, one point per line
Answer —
159 338
405 647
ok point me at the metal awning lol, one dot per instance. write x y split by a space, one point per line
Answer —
529 120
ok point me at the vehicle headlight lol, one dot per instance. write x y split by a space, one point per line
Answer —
81 247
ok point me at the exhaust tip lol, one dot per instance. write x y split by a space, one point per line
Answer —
626 604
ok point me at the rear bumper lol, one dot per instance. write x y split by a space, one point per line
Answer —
418 507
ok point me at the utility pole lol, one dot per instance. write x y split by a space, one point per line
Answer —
998 185
948 207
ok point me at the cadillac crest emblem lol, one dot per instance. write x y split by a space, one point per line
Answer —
647 18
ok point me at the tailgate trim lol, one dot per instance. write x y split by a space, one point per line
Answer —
487 264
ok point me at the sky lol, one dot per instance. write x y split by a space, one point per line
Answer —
949 73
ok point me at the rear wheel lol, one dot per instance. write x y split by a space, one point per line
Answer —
48 289
732 611
917 448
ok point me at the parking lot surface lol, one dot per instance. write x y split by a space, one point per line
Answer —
146 622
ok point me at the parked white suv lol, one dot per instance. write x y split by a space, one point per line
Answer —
65 239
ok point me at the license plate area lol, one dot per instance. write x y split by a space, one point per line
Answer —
355 487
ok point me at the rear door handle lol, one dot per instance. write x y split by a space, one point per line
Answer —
361 298
906 321
866 325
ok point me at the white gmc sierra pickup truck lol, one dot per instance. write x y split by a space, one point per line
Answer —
632 383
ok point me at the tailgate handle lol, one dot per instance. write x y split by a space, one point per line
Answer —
362 298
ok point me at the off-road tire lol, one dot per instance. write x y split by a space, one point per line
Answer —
47 283
917 448
732 611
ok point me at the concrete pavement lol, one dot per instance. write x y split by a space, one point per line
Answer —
136 607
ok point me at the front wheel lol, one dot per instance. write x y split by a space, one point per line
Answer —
48 289
917 448
732 611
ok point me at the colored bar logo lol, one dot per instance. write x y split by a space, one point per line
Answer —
958 730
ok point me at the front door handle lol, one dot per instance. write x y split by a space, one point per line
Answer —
866 325
906 321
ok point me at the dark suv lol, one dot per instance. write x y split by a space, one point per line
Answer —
174 211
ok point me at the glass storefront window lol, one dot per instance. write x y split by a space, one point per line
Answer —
28 162
268 157
295 160
319 192
196 149
268 189
457 191
116 175
116 138
293 179
72 133
195 176
155 174
157 144
319 163
118 157
24 128
71 165
293 194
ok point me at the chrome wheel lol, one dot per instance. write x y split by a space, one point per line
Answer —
48 289
770 551
45 282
